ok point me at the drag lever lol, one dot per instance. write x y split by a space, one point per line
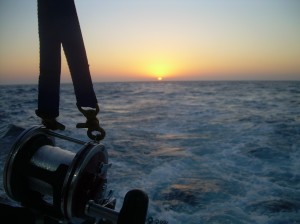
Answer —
133 211
92 123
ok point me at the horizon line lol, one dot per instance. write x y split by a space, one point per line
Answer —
168 80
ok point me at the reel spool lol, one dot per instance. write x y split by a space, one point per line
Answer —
52 180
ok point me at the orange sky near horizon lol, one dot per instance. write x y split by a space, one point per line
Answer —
174 39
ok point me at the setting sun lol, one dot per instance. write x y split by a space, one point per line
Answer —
160 70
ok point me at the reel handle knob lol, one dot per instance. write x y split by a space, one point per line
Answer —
134 209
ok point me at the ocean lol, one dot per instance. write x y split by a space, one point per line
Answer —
204 151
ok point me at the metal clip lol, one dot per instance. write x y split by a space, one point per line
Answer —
92 124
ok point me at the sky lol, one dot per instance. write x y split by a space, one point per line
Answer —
143 40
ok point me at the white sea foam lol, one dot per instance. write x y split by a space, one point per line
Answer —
205 152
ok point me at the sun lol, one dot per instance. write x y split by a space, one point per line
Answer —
159 70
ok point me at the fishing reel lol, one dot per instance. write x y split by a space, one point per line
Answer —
64 185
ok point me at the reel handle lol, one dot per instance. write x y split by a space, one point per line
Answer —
133 211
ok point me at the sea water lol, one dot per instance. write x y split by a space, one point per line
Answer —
204 152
